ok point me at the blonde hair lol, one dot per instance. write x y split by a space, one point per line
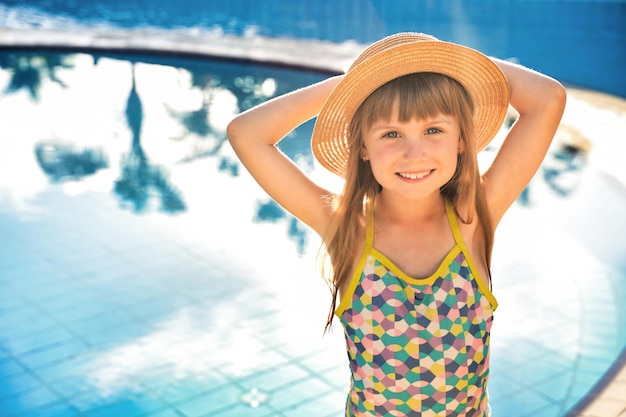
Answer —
420 96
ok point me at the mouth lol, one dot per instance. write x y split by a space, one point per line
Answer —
415 175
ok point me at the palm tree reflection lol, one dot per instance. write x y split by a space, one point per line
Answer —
62 161
143 186
270 211
249 90
59 160
142 182
29 70
562 168
563 165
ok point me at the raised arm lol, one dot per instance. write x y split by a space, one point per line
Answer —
540 101
254 134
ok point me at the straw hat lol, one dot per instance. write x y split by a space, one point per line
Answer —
393 57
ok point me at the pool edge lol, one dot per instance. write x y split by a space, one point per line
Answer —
312 55
604 398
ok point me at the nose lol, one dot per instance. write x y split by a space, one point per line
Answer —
415 147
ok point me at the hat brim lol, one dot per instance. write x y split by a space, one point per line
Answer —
480 76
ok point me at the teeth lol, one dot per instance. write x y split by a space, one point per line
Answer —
414 176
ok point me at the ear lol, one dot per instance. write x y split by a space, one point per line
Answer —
364 155
461 147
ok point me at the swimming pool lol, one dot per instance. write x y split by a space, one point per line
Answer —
144 272
577 41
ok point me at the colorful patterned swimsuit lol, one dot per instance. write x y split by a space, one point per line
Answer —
417 347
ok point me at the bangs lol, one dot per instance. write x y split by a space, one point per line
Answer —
419 96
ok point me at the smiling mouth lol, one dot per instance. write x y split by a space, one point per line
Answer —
415 175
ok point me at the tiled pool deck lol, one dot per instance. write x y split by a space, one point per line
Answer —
151 316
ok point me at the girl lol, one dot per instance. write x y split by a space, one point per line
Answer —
410 237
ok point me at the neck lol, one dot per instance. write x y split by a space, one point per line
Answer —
400 209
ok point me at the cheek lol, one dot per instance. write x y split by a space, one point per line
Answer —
376 167
380 166
378 156
452 162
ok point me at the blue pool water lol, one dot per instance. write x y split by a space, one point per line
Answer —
577 41
143 272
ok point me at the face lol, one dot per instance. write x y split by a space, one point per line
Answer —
414 158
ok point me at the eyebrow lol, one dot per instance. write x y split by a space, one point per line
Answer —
382 125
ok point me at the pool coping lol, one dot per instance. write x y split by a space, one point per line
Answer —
604 398
313 55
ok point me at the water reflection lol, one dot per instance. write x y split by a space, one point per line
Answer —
562 168
63 162
141 181
563 165
28 71
269 211
174 113
206 96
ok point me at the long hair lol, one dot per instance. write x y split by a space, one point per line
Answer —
420 96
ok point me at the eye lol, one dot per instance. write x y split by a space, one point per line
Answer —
432 130
392 135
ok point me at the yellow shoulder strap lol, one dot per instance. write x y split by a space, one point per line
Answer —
369 227
454 225
456 231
